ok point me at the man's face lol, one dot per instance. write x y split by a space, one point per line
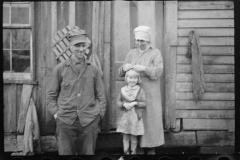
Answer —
79 50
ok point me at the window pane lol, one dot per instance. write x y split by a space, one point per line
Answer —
6 60
20 15
6 13
21 61
21 39
6 39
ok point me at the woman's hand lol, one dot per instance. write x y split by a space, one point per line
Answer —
139 68
127 66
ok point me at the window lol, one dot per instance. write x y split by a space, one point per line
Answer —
17 41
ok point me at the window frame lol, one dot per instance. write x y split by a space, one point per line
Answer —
18 76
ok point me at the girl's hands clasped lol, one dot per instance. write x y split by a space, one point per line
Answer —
129 106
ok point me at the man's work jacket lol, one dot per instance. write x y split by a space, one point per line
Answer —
71 94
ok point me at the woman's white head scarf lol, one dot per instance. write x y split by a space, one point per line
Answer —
142 33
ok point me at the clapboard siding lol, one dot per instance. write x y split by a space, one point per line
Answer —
208 69
208 32
206 96
205 114
211 23
204 105
212 5
207 60
209 41
209 14
209 50
207 77
209 87
209 124
214 112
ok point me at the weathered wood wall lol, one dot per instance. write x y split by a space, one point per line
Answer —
212 118
208 124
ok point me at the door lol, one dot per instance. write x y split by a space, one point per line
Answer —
127 15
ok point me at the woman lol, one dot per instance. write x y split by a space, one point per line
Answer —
148 61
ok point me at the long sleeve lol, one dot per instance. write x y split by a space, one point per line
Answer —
141 99
119 101
100 95
156 71
53 91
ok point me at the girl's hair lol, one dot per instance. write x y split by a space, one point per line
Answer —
134 73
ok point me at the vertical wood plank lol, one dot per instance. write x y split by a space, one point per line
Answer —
54 28
101 33
26 95
72 13
170 66
146 16
133 21
121 46
95 26
107 63
84 22
159 35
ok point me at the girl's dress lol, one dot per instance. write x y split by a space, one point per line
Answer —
131 122
152 115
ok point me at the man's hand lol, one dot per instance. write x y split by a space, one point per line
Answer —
55 116
139 68
127 66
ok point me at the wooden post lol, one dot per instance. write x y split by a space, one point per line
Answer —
170 40
146 16
72 13
107 62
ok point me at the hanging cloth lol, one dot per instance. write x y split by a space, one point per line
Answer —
195 54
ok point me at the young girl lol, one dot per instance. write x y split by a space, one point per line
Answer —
131 101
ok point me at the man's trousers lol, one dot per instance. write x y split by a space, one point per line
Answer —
75 139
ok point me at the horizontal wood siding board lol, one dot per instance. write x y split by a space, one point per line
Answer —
206 96
209 87
208 14
181 59
180 139
10 143
225 69
221 23
218 150
202 105
208 32
209 124
209 41
212 5
205 114
207 77
215 138
209 50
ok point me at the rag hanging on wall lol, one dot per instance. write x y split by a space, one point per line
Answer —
195 54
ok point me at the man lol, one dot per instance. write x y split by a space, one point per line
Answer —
75 97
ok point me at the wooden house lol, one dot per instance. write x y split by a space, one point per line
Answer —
30 27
